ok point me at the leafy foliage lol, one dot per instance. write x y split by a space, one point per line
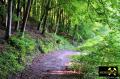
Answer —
9 62
2 10
23 44
104 51
13 58
15 18
55 42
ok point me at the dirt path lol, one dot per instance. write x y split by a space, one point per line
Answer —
42 65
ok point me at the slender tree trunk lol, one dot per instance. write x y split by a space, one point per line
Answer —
51 21
57 21
68 26
2 16
6 19
46 16
34 9
14 6
9 21
40 23
25 17
58 28
44 22
18 16
61 21
38 11
54 24
42 15
74 32
24 8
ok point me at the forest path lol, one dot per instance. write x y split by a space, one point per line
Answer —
52 63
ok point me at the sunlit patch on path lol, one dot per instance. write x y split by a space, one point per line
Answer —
63 72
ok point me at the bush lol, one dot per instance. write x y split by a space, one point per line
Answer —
9 62
23 44
54 42
105 52
13 58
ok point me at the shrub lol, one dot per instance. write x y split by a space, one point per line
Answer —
9 62
101 53
13 58
23 44
54 42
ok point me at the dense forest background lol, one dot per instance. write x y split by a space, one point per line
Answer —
31 26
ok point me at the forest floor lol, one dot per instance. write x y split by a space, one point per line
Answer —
51 66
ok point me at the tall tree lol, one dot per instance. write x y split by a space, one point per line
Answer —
18 16
23 7
46 16
9 21
25 17
42 14
57 21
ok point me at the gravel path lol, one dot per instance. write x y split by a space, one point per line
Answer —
42 65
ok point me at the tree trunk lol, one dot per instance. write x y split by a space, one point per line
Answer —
57 21
9 21
25 17
6 19
40 23
61 27
42 15
68 26
24 8
34 9
18 16
14 6
74 32
46 15
44 22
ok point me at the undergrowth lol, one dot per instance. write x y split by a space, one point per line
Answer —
54 42
13 58
104 51
9 62
20 51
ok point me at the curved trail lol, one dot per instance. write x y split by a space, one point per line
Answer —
41 65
